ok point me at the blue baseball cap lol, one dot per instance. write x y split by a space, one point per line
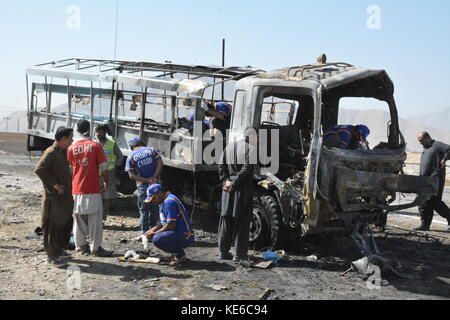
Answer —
223 107
363 130
134 142
152 190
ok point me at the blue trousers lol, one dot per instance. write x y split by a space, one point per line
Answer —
172 242
148 212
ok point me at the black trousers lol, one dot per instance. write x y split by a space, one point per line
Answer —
434 204
235 230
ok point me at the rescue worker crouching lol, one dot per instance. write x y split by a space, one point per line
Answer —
174 232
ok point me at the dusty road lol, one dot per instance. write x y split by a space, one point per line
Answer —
24 273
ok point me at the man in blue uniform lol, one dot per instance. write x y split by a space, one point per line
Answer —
174 232
432 164
144 166
346 137
221 111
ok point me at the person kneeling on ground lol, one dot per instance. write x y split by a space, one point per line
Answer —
174 232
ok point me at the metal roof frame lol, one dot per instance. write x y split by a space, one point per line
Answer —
162 69
124 72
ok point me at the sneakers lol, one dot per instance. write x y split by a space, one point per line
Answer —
225 256
422 228
177 261
100 252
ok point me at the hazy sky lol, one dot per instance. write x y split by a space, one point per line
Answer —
412 44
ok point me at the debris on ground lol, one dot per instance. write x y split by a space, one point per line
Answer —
265 294
312 258
420 235
217 287
113 279
145 242
445 280
151 279
263 264
281 253
362 266
38 231
151 260
270 255
131 254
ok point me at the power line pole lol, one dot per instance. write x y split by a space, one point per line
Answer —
223 66
7 118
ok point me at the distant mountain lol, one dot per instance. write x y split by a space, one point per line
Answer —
439 120
377 121
14 122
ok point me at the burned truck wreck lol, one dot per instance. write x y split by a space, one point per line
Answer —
312 189
320 189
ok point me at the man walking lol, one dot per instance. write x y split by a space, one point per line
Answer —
432 164
144 166
87 160
236 169
57 202
114 159
174 232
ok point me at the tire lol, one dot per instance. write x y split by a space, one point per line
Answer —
275 218
266 226
259 225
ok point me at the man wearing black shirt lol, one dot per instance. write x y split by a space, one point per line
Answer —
432 164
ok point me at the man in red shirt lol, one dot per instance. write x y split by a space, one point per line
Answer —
88 160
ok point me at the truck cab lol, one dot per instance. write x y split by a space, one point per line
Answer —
316 188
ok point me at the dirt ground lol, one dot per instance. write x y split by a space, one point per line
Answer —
24 273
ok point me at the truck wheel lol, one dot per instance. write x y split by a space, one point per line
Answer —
275 218
259 225
266 224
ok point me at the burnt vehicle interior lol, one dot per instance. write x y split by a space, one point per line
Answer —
293 116
378 87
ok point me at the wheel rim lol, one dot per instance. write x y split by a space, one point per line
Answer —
256 224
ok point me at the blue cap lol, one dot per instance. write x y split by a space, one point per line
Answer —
134 142
363 130
152 190
224 108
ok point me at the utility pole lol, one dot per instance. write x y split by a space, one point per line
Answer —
7 118
18 125
223 66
